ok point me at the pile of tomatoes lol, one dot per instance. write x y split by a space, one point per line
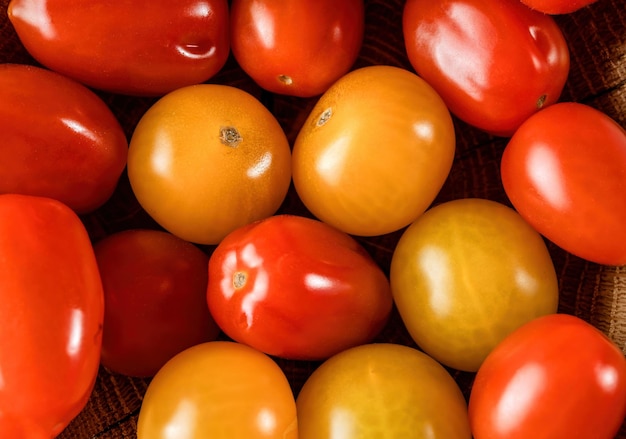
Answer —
249 247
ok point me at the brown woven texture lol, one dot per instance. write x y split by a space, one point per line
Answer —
597 39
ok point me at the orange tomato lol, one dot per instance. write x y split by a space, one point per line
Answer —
206 159
374 152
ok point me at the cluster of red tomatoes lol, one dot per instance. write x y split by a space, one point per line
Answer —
221 284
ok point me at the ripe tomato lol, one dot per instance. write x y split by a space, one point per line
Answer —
557 6
466 274
155 295
218 390
299 47
381 390
51 309
126 46
206 159
374 152
494 62
296 288
564 170
58 140
556 376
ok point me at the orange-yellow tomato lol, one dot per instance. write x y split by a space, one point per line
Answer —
374 152
218 390
381 391
206 159
466 274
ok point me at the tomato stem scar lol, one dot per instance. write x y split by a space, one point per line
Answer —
229 136
541 101
325 117
239 279
285 79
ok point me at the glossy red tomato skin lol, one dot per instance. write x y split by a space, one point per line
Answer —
127 47
51 308
59 139
299 47
494 62
155 292
296 288
556 7
564 171
556 376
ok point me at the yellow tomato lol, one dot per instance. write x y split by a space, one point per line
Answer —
218 390
381 391
374 152
466 274
206 159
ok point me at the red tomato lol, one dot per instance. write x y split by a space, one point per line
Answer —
128 47
557 6
299 47
555 377
564 170
494 62
59 139
296 288
155 295
51 309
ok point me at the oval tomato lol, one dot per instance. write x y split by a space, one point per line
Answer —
494 62
298 48
374 151
124 46
206 159
59 139
564 170
218 389
556 376
466 274
51 308
296 288
381 390
155 295
557 6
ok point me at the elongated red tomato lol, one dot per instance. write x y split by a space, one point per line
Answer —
564 170
298 47
51 309
130 47
494 62
58 139
296 288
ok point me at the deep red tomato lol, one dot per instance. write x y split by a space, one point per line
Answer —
494 62
555 377
564 170
298 47
155 296
296 288
130 47
557 6
58 139
51 309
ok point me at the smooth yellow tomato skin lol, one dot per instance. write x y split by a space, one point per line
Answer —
206 159
466 274
383 390
218 390
374 151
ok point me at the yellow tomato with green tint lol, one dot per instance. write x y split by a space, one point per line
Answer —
383 390
466 274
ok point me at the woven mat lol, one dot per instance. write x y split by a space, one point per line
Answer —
597 40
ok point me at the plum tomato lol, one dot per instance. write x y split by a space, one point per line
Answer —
555 377
564 171
494 62
374 152
59 139
299 47
206 159
557 7
126 47
381 390
466 274
220 390
296 288
51 309
155 295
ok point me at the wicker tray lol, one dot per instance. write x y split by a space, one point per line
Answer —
597 39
